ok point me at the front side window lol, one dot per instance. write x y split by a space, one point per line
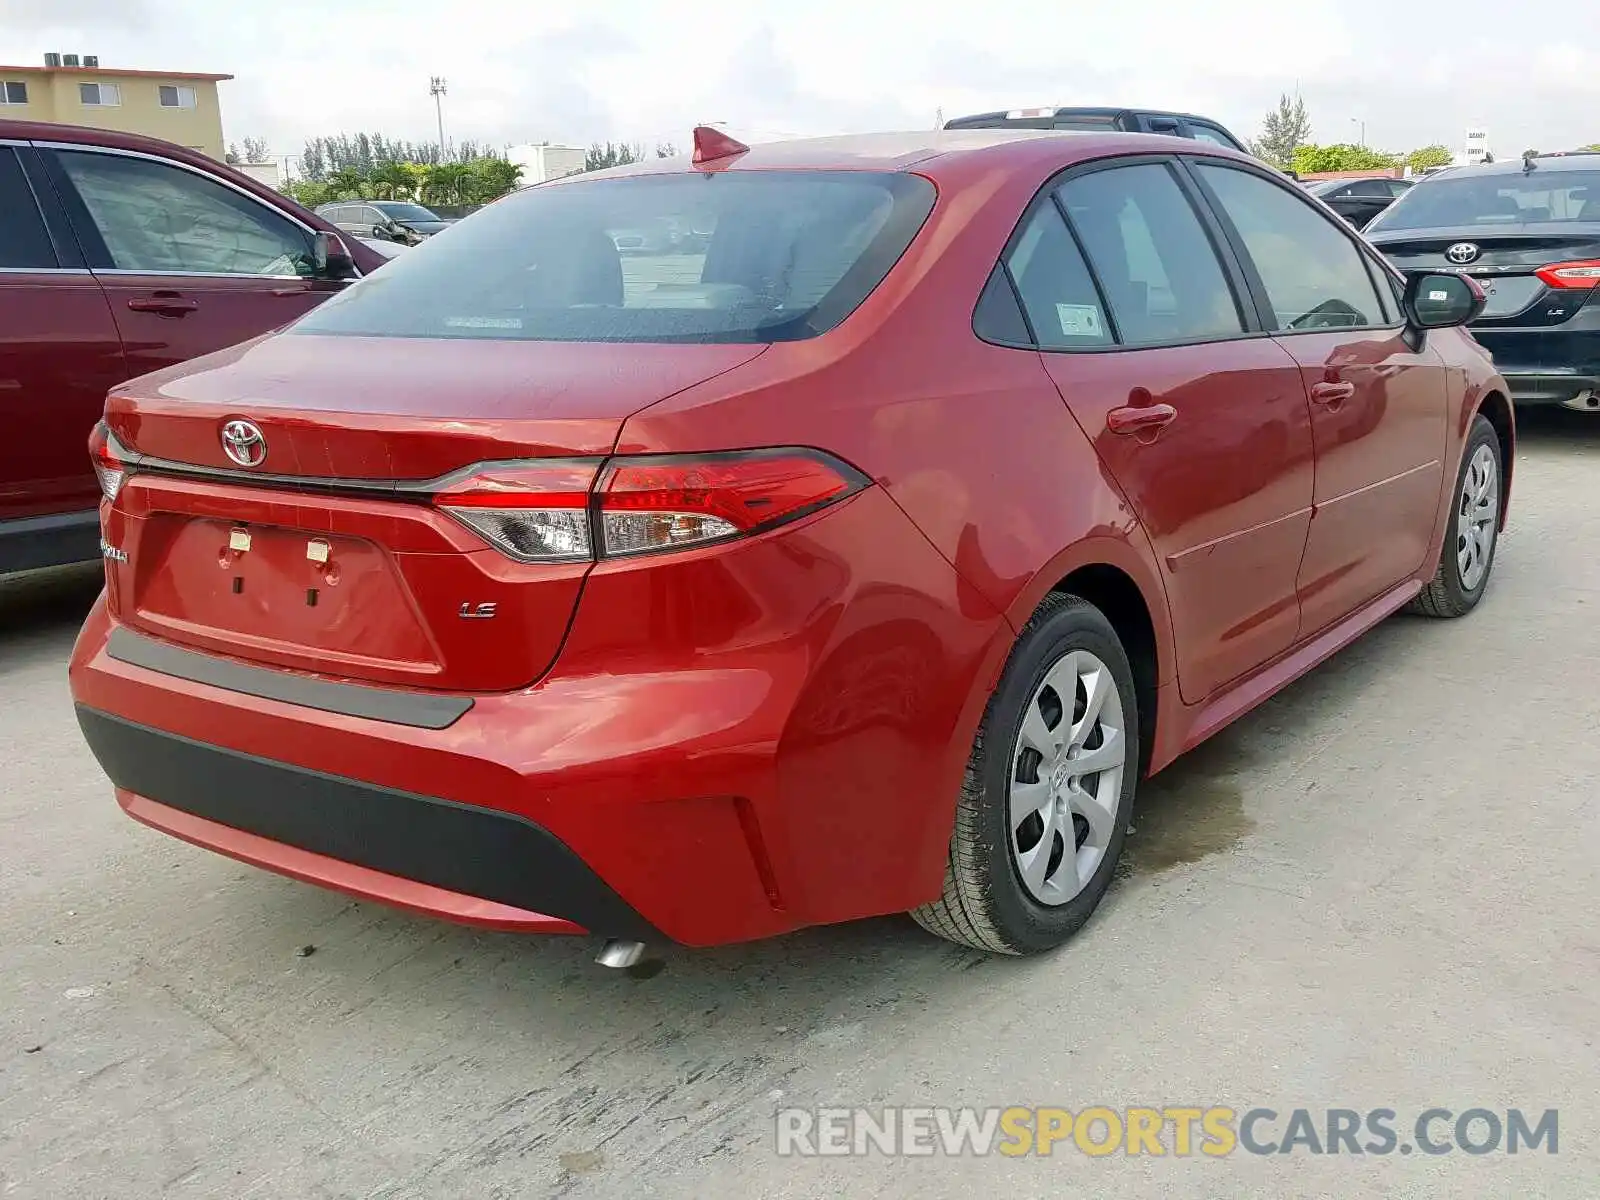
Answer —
177 97
99 95
1151 255
734 256
165 220
13 91
1314 276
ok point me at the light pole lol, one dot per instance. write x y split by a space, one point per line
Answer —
1363 124
436 89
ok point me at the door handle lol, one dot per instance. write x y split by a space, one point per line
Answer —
1140 418
163 306
1332 394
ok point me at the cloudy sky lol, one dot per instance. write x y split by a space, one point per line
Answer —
1417 71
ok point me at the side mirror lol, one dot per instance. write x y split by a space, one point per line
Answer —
331 257
1438 301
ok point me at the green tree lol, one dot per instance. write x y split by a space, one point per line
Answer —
487 179
256 150
1425 157
1283 131
1591 148
390 181
347 183
309 192
612 154
1311 159
442 184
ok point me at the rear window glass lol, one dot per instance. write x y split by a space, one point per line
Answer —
731 256
1540 195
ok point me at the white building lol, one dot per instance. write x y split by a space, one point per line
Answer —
261 172
542 161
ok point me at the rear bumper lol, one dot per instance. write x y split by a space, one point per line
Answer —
1550 365
732 745
418 852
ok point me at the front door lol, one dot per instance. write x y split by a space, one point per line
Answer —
59 353
189 263
1206 431
1378 405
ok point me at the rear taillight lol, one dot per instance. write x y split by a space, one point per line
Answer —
560 512
1584 274
535 512
660 502
107 468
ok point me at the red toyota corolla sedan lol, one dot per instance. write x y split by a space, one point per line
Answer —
701 550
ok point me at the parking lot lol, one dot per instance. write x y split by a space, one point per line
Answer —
1376 891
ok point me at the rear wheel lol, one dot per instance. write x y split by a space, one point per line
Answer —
1048 791
1471 536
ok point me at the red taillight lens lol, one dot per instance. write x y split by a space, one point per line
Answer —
1584 274
664 501
107 468
556 511
536 512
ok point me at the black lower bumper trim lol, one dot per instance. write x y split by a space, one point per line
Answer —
31 543
421 710
474 851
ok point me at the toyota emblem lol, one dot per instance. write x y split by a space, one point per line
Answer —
243 442
1462 253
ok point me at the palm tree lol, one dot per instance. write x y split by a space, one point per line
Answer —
347 182
391 181
443 183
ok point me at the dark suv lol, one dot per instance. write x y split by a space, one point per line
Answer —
120 255
1104 120
1529 233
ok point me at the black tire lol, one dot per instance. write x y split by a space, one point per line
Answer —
1446 595
984 903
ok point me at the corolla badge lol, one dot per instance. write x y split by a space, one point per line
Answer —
1462 253
244 443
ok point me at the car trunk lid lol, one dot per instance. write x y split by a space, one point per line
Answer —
328 555
1503 258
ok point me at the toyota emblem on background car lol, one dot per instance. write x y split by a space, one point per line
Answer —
1462 253
243 442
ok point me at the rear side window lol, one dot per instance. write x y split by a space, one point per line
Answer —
1314 276
1057 291
731 256
1152 256
23 240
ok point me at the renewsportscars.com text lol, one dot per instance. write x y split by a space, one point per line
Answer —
1180 1132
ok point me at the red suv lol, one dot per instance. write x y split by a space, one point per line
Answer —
119 255
858 557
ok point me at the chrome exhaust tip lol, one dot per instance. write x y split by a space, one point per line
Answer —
620 954
1584 402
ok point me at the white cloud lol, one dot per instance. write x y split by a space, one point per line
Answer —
1415 72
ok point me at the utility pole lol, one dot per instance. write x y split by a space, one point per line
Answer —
1363 124
436 89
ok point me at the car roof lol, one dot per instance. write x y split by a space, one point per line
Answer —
926 150
1085 110
1566 161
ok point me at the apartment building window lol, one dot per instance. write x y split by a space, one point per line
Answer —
99 95
177 97
13 92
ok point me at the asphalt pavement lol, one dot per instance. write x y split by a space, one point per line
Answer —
1377 891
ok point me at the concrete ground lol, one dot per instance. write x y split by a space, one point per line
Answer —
1379 890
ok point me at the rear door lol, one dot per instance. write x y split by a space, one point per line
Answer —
59 353
1378 405
189 263
1205 428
